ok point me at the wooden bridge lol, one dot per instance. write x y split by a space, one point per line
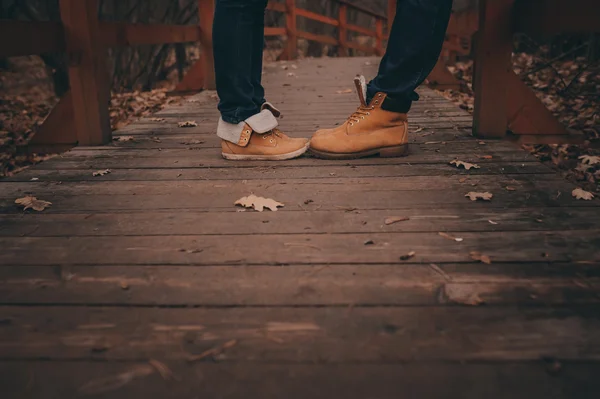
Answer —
377 279
369 283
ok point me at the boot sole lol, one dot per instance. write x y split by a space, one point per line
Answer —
278 157
384 152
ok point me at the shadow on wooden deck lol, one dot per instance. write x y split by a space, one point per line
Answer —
152 262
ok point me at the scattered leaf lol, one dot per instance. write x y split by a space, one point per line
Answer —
466 165
590 159
369 242
308 201
213 352
124 285
187 124
582 194
510 188
408 256
463 179
420 129
492 222
164 371
480 257
155 139
124 138
474 196
395 219
432 142
464 294
192 142
481 143
157 119
346 91
34 179
258 203
30 202
449 237
114 382
101 172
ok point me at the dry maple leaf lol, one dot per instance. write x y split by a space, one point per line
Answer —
449 237
30 202
124 138
589 159
466 165
258 203
474 196
157 119
582 194
395 219
101 172
187 124
480 257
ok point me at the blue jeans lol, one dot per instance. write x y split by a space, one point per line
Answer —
413 49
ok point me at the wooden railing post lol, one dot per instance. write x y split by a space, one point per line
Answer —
292 37
391 13
492 68
206 12
342 30
88 76
379 38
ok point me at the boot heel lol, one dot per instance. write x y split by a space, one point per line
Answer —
392 152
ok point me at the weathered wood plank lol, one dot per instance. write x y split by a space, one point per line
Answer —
547 246
315 285
49 380
301 335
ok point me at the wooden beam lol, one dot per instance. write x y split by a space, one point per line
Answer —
206 10
291 29
342 31
361 9
360 29
379 42
269 31
117 34
392 5
87 71
28 38
360 47
492 67
441 78
280 7
58 131
557 16
300 12
317 38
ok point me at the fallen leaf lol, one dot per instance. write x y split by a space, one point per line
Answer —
464 294
308 201
187 124
481 143
492 222
347 91
35 179
432 142
124 138
155 139
510 188
114 382
291 74
369 242
582 194
214 351
474 196
462 180
191 142
590 159
30 202
258 203
482 258
157 119
466 165
449 237
164 371
486 157
419 130
408 256
101 172
395 219
124 285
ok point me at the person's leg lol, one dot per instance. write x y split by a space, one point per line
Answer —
380 125
248 125
237 24
413 49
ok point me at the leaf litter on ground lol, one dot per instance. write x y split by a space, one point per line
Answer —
480 257
187 124
101 172
582 194
474 196
450 237
466 165
30 202
395 219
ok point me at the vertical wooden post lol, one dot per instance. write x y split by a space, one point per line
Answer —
88 76
492 68
379 37
391 13
292 38
206 12
342 30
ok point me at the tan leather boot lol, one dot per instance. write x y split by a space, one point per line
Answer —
370 130
259 139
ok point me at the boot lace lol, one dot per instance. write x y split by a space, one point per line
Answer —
272 135
360 114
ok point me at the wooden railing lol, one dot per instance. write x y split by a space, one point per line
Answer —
503 102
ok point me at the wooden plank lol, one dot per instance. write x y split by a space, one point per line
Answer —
316 17
361 9
548 246
270 31
119 34
356 46
271 5
87 71
326 335
492 68
342 30
360 29
309 218
58 129
379 36
206 11
317 38
314 285
49 380
291 29
18 38
550 17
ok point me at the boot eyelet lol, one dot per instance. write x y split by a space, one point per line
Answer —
247 131
351 124
376 101
362 117
271 141
368 113
264 137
